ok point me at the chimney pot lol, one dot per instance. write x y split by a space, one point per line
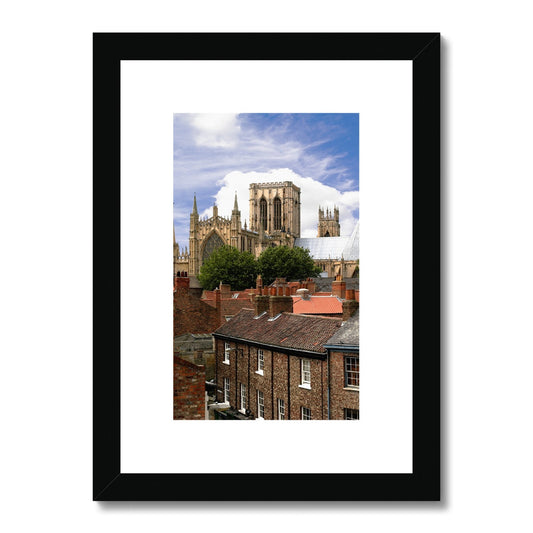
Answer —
304 294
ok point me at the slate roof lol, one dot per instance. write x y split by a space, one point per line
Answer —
288 330
324 285
332 247
348 334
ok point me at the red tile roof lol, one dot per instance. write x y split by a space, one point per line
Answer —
317 305
288 330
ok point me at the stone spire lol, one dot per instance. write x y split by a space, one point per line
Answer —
194 208
236 205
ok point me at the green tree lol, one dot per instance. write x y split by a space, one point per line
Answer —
229 266
284 262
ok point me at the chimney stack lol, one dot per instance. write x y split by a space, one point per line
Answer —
280 304
281 289
181 284
338 287
311 285
261 304
350 305
225 289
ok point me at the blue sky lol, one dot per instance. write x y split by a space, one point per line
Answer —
218 155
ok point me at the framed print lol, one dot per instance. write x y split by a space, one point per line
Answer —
297 171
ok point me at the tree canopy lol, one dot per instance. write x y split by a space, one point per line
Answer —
284 262
229 266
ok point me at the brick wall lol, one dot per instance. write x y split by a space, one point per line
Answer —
341 397
192 315
189 390
280 380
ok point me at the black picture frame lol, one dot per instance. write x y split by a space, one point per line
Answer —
423 50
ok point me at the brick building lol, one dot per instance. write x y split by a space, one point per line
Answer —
197 348
189 390
272 364
191 314
343 356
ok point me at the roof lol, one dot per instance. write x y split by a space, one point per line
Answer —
192 336
317 305
325 285
348 333
287 330
232 295
332 247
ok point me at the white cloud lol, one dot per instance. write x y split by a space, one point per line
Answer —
313 195
215 130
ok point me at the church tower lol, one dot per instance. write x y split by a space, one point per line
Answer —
328 223
275 208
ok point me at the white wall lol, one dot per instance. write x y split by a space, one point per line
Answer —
46 290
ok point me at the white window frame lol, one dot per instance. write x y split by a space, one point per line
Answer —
260 404
227 349
352 373
243 398
307 412
281 409
260 362
226 390
305 373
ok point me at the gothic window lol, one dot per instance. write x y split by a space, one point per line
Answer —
263 213
212 243
277 213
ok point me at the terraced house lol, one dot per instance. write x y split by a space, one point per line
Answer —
272 364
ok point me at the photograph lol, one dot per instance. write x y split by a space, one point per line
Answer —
262 184
266 266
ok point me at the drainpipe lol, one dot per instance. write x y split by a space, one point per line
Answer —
329 385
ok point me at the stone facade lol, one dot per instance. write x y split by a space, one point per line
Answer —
275 220
328 223
275 208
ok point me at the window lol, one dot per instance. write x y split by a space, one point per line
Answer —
260 361
263 214
226 352
351 371
260 404
243 397
351 414
226 390
281 409
305 380
213 243
306 413
277 213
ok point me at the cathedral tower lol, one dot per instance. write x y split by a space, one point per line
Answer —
275 208
328 223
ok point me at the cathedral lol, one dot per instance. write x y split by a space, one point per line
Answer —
274 221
